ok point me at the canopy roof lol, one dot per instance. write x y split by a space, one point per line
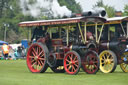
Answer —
117 19
3 42
61 21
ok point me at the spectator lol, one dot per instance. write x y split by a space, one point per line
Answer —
89 36
38 32
5 50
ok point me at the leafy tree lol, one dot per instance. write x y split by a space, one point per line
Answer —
125 10
11 14
110 11
72 5
3 6
99 4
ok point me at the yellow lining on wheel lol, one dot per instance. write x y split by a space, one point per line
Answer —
106 61
123 65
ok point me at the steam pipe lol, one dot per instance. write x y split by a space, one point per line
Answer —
76 47
87 13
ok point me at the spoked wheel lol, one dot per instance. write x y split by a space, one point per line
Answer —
72 62
124 65
58 69
36 58
108 61
90 63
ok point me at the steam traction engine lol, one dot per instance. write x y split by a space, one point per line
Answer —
66 46
113 46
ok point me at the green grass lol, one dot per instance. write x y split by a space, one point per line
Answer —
17 73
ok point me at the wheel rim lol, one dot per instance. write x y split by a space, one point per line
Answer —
71 63
35 58
106 62
124 65
91 63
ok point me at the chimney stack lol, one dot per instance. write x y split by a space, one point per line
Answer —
118 13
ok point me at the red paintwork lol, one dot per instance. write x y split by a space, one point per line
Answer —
57 42
71 64
31 54
123 40
90 63
48 22
59 56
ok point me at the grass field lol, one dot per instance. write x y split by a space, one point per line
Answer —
17 73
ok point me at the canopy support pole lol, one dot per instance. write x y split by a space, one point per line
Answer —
123 29
81 33
100 33
127 29
67 32
85 32
96 31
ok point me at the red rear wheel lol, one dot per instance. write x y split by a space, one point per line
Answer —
90 63
36 58
72 62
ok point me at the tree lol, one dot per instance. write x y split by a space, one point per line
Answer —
110 10
99 4
125 13
11 13
71 5
3 5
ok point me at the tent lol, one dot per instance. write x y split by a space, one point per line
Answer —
3 42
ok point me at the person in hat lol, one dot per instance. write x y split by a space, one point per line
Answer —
39 32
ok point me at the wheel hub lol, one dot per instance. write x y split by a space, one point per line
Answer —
36 57
107 61
91 62
71 63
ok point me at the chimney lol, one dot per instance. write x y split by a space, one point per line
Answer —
118 13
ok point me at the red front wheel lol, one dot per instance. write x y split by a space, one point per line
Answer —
90 62
72 62
36 58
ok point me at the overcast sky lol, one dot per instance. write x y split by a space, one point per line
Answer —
87 4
